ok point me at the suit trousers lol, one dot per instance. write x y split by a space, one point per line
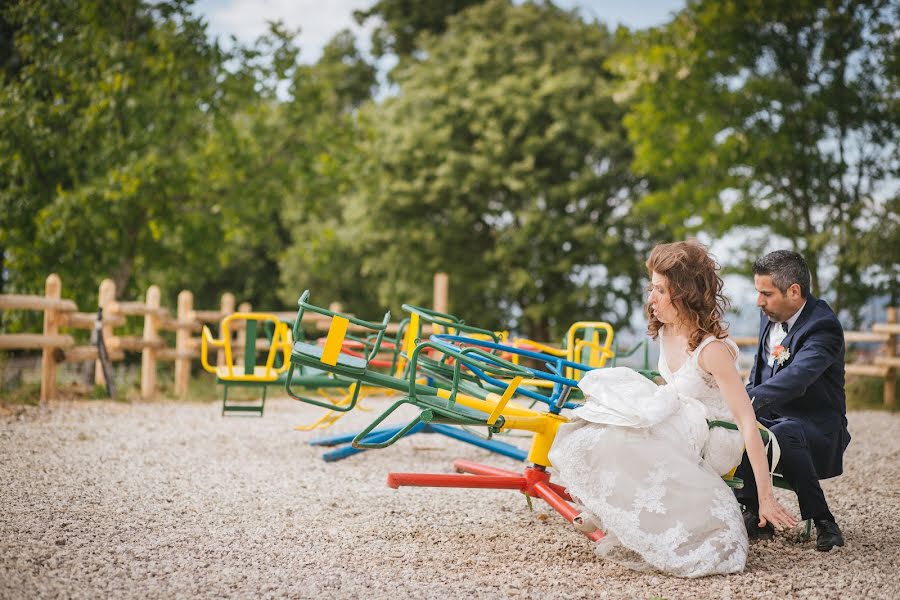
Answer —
796 466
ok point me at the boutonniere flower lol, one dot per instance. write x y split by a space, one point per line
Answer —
781 354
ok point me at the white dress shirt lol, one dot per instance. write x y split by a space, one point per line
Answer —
777 333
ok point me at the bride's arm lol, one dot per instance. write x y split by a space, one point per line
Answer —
717 360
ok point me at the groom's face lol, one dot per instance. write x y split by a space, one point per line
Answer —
777 306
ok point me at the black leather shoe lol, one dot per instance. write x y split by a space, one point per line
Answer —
828 535
754 531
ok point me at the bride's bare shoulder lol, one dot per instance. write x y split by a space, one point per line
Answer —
719 351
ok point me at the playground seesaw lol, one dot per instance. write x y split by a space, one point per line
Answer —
266 332
427 368
359 346
248 374
408 379
450 401
534 481
351 392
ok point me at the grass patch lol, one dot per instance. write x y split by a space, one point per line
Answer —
202 388
28 394
71 386
867 393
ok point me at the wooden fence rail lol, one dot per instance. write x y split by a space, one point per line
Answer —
60 347
60 313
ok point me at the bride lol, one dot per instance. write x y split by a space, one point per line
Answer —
643 461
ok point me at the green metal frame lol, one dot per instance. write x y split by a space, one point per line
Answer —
433 408
249 365
311 378
348 369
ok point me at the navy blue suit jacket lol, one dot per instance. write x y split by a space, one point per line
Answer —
809 386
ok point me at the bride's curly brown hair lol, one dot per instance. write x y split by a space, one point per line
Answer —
694 286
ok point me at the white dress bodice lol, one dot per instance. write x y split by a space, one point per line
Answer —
721 448
690 380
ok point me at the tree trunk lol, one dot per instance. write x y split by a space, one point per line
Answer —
538 330
813 262
126 262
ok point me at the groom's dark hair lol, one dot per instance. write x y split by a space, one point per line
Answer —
785 267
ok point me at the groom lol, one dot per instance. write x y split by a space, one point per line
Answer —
797 387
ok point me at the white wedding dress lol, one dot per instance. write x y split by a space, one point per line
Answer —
645 466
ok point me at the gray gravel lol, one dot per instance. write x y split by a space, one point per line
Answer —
170 500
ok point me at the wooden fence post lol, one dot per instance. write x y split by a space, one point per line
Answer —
148 353
182 343
441 293
106 296
53 290
226 308
890 349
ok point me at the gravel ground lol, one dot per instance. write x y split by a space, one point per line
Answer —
170 500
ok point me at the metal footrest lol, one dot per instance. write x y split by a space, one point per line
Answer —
251 407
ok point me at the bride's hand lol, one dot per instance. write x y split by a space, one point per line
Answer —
771 511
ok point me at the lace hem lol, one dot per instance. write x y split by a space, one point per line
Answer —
661 507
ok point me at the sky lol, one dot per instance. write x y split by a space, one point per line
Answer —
319 20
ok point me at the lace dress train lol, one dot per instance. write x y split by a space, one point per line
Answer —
642 461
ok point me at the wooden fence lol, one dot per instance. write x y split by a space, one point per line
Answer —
60 314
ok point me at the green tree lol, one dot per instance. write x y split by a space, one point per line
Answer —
274 158
101 115
502 161
782 116
131 151
324 114
400 22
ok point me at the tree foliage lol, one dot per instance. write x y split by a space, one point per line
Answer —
777 115
136 148
533 156
502 161
400 22
106 106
